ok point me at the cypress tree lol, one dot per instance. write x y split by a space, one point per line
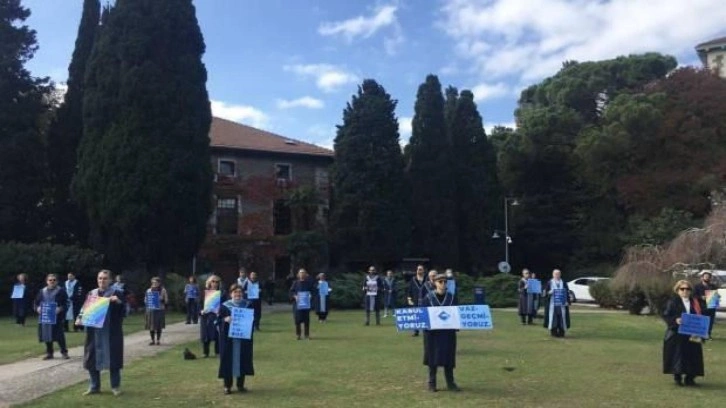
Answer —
144 169
23 102
430 174
68 221
369 221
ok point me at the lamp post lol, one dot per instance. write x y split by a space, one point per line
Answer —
507 239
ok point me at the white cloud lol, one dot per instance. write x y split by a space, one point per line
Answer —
304 102
528 40
361 26
486 91
247 115
328 77
405 127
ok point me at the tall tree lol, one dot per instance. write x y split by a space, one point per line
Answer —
144 169
429 171
68 222
23 102
477 193
369 222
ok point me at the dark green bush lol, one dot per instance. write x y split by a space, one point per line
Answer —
500 289
38 260
633 299
603 294
174 285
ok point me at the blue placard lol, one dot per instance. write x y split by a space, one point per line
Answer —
47 313
475 317
253 290
559 296
241 325
303 300
451 286
412 318
534 286
153 300
18 292
323 288
694 325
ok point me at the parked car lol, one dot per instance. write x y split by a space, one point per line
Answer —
580 288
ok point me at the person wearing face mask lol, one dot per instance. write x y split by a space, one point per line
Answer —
557 305
415 288
440 345
48 333
682 353
104 347
236 357
704 290
156 310
451 284
373 289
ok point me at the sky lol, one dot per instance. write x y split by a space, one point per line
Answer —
290 66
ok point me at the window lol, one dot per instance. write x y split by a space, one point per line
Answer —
281 217
227 168
283 171
227 215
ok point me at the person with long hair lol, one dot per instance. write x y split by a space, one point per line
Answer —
191 298
156 300
301 293
208 316
21 299
682 353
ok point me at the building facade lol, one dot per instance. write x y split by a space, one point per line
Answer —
713 55
266 188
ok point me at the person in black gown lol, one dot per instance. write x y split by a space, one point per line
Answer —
301 293
236 355
440 345
682 354
414 290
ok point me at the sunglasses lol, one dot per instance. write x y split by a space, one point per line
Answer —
684 288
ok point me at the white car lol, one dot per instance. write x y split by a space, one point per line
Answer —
580 288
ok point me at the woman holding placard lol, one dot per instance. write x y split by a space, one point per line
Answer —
322 300
440 345
682 353
155 301
211 302
235 335
526 298
557 305
301 292
50 306
21 299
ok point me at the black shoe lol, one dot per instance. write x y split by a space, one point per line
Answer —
677 379
453 387
241 389
227 391
367 324
432 388
48 357
415 334
298 337
65 356
690 382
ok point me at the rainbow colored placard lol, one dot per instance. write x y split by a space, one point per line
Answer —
94 311
212 300
713 299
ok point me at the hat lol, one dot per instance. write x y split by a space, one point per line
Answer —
440 276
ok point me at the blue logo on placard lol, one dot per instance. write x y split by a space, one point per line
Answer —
444 316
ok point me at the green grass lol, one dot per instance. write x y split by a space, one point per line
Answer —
17 343
608 359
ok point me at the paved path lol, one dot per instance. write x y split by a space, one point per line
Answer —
19 381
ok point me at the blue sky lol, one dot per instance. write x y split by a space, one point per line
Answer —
290 66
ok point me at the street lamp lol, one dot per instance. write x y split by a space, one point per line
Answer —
507 239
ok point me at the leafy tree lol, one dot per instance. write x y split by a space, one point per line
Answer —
433 204
23 102
69 223
144 169
369 221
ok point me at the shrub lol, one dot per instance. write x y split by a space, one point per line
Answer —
632 299
500 290
174 285
346 292
603 295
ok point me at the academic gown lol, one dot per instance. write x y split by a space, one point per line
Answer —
526 299
555 313
389 289
226 345
414 290
680 355
208 322
256 303
321 298
106 341
52 332
377 299
21 305
301 286
439 345
75 299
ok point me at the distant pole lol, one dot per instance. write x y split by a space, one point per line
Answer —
194 265
506 230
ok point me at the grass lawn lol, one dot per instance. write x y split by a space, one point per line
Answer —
17 343
608 359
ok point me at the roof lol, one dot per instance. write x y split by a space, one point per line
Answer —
712 43
233 135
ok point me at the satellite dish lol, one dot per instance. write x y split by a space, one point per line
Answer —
504 267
